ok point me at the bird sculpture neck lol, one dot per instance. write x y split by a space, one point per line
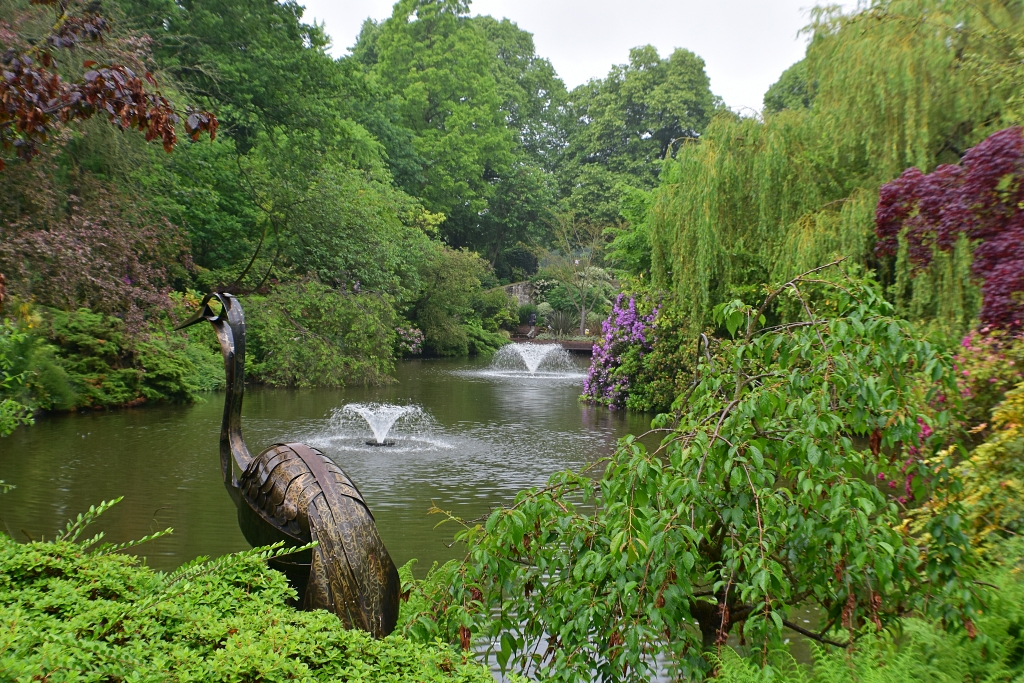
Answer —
230 328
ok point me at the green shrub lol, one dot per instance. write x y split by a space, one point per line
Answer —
107 367
456 316
544 311
308 334
75 612
62 360
13 412
34 377
496 310
482 342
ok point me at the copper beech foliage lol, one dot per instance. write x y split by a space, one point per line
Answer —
982 199
35 99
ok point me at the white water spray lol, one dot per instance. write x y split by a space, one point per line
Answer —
381 417
515 356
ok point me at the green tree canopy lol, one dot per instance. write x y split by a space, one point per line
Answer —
623 126
436 67
257 62
791 91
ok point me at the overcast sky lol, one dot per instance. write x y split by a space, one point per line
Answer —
746 44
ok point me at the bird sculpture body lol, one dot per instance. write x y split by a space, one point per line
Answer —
293 493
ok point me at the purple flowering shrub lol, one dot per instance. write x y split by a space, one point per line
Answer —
408 341
625 332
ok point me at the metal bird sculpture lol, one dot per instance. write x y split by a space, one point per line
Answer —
292 493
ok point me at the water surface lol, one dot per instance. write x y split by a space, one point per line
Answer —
485 436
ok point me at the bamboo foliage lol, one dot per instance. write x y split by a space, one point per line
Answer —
755 200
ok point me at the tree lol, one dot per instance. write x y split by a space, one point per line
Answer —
630 247
576 266
437 67
533 100
352 231
791 91
289 109
481 113
518 212
895 85
625 125
38 99
256 62
533 96
444 311
784 480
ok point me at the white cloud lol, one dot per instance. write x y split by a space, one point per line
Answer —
746 44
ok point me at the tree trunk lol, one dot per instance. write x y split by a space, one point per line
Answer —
709 619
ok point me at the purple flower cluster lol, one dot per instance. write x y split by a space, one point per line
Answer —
409 341
623 330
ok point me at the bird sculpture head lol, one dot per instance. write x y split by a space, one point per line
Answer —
206 311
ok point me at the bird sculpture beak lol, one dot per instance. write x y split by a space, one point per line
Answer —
205 312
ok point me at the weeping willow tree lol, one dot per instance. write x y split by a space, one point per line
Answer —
895 85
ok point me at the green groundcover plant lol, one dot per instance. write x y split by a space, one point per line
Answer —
73 610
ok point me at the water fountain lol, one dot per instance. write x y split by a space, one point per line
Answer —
381 417
514 356
403 429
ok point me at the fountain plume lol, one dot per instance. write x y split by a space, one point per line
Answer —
380 417
532 356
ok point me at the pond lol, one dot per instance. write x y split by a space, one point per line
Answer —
480 435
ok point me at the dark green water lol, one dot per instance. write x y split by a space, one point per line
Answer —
483 437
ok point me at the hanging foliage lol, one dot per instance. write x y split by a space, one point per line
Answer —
724 211
783 481
895 85
37 100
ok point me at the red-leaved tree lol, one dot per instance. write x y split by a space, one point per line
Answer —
982 199
36 99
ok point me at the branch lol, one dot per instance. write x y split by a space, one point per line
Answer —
790 326
820 637
809 313
771 297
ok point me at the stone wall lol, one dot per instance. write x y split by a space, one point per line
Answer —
522 291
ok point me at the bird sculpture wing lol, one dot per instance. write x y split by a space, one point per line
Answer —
309 498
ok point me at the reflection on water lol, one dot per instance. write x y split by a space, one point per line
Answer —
483 437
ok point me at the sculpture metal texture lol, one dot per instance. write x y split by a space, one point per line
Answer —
293 493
